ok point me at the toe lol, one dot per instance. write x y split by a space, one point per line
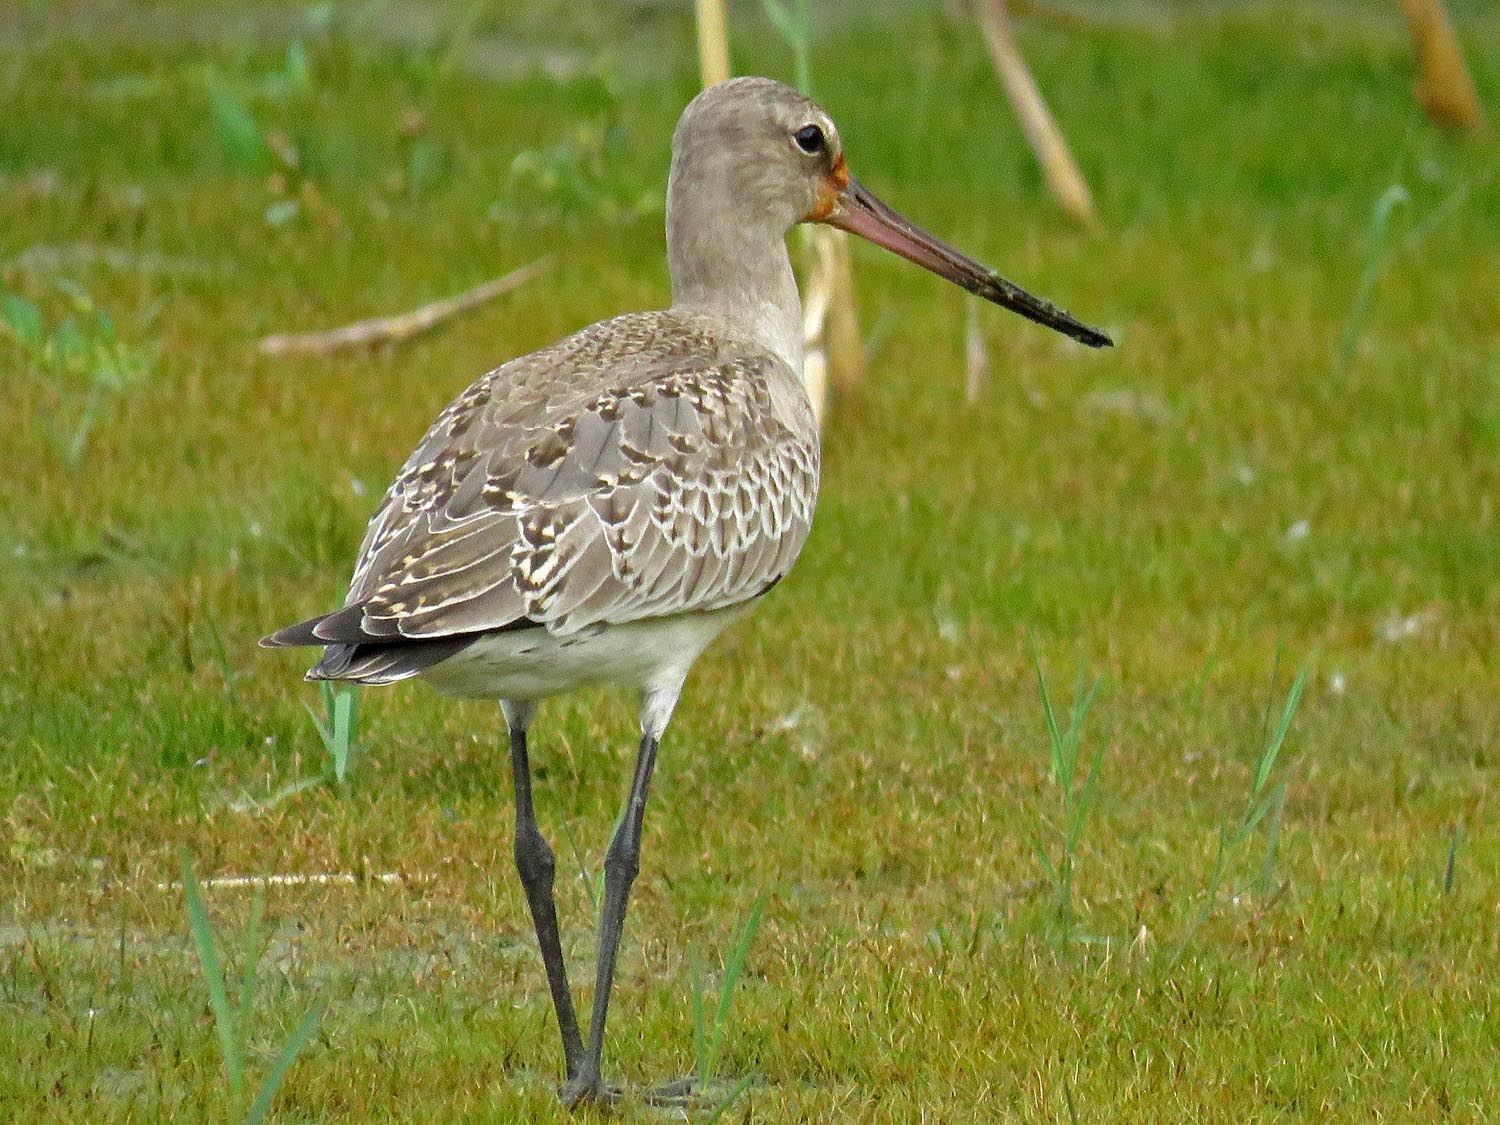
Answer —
677 1092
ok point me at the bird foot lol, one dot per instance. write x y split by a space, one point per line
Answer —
584 1090
678 1092
580 1091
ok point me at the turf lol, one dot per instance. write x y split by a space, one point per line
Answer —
1193 517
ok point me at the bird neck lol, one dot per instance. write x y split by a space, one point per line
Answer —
736 272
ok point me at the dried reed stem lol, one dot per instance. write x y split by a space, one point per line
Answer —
404 326
1444 86
1062 175
713 42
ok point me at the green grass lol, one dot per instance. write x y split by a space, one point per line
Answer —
1221 488
337 728
233 1024
1075 791
709 1031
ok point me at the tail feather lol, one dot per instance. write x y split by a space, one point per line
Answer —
344 626
385 663
355 654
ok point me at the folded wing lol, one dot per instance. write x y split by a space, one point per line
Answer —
608 479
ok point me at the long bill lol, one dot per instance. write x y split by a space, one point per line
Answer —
856 210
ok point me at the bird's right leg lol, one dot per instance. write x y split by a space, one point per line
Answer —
536 865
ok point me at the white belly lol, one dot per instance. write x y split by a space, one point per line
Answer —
534 664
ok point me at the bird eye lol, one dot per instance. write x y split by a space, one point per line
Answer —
810 139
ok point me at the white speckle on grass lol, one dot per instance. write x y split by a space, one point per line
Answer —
42 182
1129 402
790 721
356 486
1244 474
282 212
1297 533
1398 627
256 530
1337 683
806 721
947 628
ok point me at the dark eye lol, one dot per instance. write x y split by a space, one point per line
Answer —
810 139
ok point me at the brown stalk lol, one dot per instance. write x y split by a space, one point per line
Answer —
404 326
1444 86
713 42
847 357
1063 178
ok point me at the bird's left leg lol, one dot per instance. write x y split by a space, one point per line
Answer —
621 864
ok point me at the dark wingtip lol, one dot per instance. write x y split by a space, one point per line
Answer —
1093 337
293 636
344 626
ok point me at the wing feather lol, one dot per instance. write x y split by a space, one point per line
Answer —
640 469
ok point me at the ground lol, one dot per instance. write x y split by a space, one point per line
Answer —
1288 463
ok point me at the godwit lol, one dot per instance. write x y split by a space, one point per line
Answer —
598 511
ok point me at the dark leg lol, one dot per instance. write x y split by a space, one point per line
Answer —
535 863
621 864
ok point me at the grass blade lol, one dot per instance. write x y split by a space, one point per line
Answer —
792 20
240 140
213 976
25 322
589 883
1084 803
324 731
709 1035
1380 223
737 958
729 1099
343 708
251 957
293 1047
337 727
1273 837
1273 749
1054 736
221 655
1450 869
700 1030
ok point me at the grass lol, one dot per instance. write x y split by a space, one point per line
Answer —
233 1023
1075 790
80 364
1380 223
1264 803
337 727
709 1031
1170 515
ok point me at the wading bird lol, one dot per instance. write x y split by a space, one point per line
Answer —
598 511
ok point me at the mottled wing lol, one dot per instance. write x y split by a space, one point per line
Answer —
663 480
